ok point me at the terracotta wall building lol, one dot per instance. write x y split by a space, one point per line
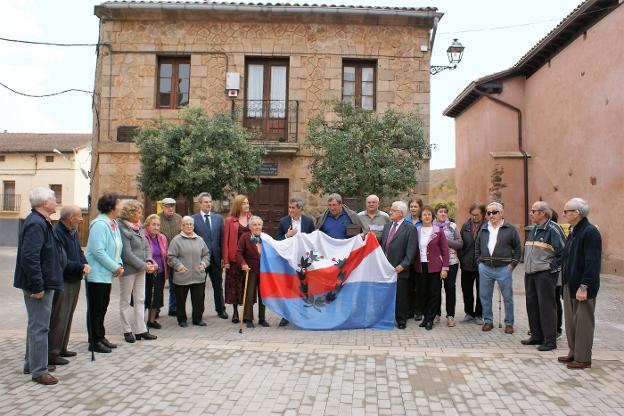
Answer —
156 57
559 112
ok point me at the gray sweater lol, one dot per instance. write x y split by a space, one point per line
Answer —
135 250
188 252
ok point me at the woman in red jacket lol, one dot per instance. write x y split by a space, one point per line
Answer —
249 248
235 226
432 263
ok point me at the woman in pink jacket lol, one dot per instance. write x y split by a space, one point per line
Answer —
155 282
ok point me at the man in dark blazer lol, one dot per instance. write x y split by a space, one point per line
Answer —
399 242
209 226
295 221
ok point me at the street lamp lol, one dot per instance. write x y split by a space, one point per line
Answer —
455 52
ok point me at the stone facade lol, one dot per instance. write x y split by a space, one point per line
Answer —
218 41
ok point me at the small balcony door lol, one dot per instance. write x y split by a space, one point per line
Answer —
266 102
8 199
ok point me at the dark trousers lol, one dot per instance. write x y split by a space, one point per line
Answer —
559 296
197 301
449 291
98 296
403 297
431 288
214 271
63 307
472 304
541 306
417 293
253 293
172 298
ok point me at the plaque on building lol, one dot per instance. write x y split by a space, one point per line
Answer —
267 169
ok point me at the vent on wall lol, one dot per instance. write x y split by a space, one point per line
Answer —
126 134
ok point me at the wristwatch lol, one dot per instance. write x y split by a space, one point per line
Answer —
583 288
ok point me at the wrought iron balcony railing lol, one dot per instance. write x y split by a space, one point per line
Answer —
270 120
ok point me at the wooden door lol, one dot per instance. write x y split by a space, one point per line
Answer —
270 202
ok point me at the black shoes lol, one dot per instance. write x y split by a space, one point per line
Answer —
546 347
531 341
108 343
129 337
429 326
145 336
402 325
100 347
199 323
68 354
284 322
57 361
223 315
418 317
422 324
154 325
249 324
172 313
235 320
182 324
264 323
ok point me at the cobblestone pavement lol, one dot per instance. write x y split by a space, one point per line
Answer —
216 370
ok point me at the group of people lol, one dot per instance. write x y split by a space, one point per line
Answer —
422 243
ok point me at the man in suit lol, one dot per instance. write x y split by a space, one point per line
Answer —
400 242
295 221
209 226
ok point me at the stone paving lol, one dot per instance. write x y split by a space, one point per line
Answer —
216 370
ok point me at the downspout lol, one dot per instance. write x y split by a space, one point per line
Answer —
525 157
433 32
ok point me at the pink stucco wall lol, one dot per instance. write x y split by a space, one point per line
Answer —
573 111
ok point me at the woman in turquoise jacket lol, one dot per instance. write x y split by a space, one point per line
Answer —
104 257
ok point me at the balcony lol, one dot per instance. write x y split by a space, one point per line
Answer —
273 123
10 202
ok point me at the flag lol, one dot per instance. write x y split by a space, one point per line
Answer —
318 282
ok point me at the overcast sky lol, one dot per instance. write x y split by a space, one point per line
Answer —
496 33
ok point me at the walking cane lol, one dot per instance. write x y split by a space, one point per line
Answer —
500 323
240 331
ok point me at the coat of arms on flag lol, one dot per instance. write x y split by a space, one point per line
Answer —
318 282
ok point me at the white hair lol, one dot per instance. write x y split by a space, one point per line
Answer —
255 218
334 197
401 205
373 196
39 195
580 205
187 218
498 205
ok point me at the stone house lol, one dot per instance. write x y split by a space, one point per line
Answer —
27 160
550 127
277 65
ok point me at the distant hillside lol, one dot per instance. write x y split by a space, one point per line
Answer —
442 188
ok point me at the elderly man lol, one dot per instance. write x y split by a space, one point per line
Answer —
372 217
497 250
64 303
399 241
542 263
170 224
581 281
209 226
39 272
338 221
295 222
469 269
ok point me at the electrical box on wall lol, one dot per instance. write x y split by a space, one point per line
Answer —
232 81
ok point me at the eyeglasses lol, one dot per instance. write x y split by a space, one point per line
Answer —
565 211
533 211
492 212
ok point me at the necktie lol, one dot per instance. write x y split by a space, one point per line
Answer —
391 234
207 221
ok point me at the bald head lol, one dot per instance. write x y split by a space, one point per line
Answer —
71 216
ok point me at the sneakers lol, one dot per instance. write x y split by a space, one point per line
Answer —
479 320
468 318
450 321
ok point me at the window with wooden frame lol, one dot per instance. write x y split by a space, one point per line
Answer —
358 83
49 159
58 192
174 75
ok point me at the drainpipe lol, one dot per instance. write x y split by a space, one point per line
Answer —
525 157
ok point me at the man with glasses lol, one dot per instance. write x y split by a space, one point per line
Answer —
469 269
581 281
542 263
497 250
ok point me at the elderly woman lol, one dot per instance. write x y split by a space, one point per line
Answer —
235 226
137 258
155 281
249 248
104 256
433 264
188 256
454 243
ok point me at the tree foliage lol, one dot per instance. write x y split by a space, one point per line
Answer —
362 152
202 153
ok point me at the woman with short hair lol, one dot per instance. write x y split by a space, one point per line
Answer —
188 256
249 249
137 257
155 282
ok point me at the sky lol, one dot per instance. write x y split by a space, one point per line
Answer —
495 33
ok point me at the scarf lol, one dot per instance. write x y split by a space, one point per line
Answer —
136 226
441 224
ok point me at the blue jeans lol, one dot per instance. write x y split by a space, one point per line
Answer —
488 275
39 311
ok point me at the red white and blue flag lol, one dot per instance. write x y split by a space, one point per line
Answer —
318 282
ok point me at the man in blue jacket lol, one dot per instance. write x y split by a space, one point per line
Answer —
65 302
209 226
39 272
581 281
